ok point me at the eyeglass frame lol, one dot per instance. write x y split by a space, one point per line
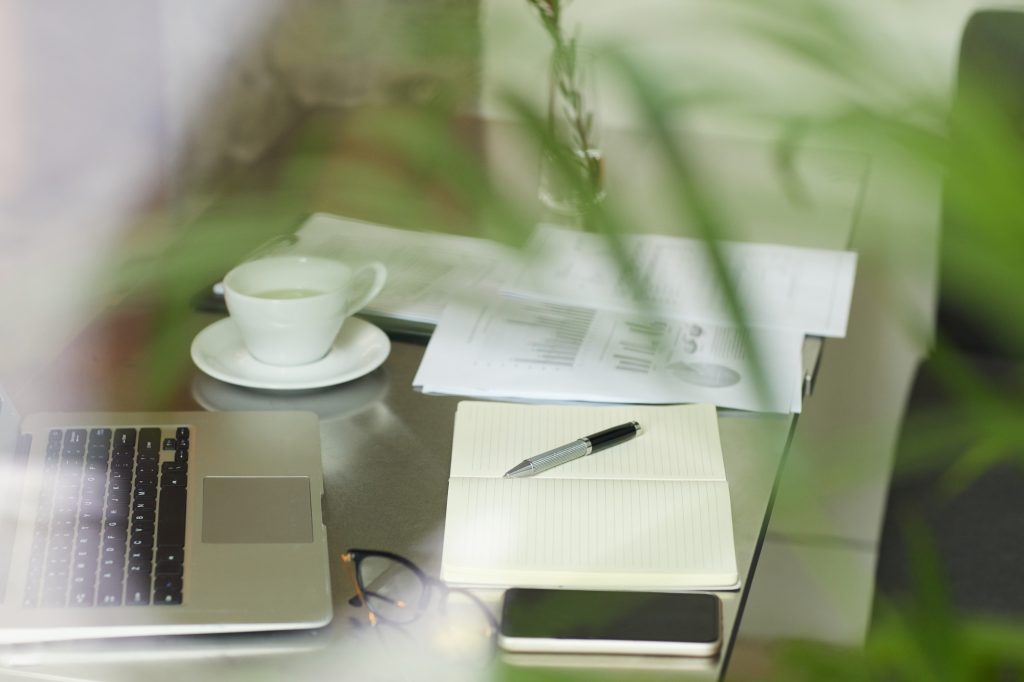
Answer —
351 559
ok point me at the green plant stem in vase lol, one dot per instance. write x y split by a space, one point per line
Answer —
572 165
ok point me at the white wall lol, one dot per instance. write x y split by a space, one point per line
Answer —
95 103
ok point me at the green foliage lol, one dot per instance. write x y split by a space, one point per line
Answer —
568 109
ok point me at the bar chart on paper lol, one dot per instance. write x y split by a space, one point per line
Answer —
514 348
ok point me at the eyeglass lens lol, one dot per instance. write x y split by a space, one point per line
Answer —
392 590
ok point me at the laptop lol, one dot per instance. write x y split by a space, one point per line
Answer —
133 524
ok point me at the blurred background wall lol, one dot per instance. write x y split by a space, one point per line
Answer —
700 45
115 114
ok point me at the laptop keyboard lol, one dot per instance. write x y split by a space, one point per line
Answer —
110 528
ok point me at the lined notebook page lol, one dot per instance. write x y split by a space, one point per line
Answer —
678 441
653 512
589 533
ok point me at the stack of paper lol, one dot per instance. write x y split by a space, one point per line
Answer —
564 324
569 328
426 270
780 287
529 349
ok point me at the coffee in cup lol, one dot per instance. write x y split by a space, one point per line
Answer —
289 309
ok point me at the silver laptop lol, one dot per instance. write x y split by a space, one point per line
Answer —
123 524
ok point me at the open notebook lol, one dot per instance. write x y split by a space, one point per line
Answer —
651 513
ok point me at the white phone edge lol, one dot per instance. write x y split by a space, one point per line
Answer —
552 645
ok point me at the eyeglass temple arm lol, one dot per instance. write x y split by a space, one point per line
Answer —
348 561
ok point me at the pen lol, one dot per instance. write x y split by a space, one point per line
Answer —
574 450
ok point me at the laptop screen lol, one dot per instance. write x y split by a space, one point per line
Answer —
11 470
10 423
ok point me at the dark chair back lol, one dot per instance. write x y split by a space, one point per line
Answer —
983 200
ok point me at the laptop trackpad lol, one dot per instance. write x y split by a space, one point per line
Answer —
238 509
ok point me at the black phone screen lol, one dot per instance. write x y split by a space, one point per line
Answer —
598 615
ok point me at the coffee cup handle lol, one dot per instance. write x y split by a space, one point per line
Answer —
369 280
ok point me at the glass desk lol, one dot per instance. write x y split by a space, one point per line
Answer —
386 452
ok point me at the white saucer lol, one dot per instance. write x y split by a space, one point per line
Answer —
359 349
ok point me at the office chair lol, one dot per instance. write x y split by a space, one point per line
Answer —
978 531
989 95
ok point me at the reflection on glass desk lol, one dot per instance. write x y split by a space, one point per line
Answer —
335 402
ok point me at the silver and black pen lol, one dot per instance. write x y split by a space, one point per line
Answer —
580 447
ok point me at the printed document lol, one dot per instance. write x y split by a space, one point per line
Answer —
787 287
426 270
527 349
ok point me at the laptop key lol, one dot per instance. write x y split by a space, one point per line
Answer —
96 465
149 441
173 479
170 554
60 544
144 505
147 480
82 596
87 539
112 550
86 552
169 568
144 534
53 596
83 590
167 597
118 497
167 583
141 541
115 536
144 554
140 568
91 504
171 518
74 438
117 511
124 439
151 459
143 492
138 590
109 593
145 469
101 434
121 463
113 563
63 523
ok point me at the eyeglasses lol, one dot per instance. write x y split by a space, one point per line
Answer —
395 591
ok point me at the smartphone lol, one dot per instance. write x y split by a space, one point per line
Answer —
595 621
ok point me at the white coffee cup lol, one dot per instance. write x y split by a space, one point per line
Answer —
289 309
